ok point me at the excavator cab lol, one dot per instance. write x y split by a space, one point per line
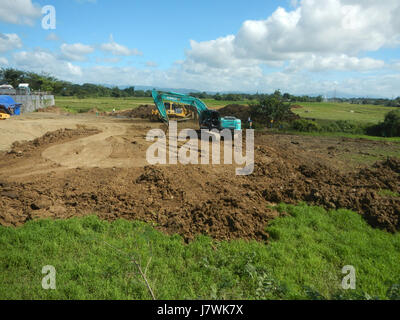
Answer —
210 119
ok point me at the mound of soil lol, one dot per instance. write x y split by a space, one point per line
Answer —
239 111
21 148
143 112
53 109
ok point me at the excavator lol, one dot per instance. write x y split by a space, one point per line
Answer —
176 111
208 119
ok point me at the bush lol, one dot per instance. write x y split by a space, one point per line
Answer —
271 108
390 127
344 126
303 125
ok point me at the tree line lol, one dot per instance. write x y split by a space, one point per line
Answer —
46 82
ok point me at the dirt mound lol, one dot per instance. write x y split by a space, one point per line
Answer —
53 109
296 106
21 148
143 112
287 182
239 111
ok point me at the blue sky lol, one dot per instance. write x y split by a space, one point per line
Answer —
302 47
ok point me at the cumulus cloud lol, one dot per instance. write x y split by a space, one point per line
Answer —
9 41
19 11
3 61
44 61
76 51
341 62
118 49
339 28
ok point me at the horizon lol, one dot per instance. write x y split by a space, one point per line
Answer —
213 47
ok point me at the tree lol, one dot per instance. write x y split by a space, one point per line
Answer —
391 124
270 108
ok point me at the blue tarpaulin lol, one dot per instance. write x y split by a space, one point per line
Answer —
9 103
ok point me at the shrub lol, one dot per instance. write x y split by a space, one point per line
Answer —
271 108
303 125
390 127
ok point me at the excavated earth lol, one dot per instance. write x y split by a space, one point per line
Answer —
97 165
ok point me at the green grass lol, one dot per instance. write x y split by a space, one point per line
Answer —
388 193
342 111
303 260
338 134
76 105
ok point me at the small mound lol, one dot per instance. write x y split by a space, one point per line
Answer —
143 112
20 148
52 109
239 111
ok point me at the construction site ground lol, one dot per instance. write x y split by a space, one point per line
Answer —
58 165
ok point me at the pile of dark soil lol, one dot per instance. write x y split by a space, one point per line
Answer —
143 112
239 111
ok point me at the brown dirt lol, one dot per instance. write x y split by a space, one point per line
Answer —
142 112
239 111
53 109
101 169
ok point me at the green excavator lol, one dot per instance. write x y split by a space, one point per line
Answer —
208 119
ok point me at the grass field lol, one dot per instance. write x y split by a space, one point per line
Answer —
303 260
343 111
73 104
314 110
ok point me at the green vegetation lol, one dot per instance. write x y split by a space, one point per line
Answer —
270 108
388 193
369 114
390 127
75 105
303 260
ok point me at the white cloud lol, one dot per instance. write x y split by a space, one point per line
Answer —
76 51
339 28
19 11
118 49
314 63
3 61
44 61
9 41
